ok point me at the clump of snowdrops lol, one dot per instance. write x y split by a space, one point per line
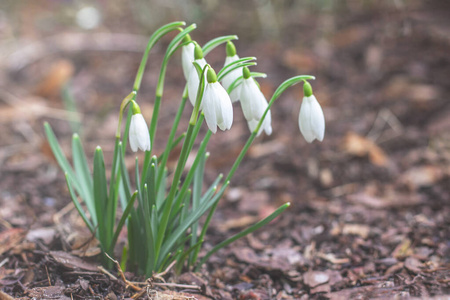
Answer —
162 216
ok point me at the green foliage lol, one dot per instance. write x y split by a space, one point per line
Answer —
160 208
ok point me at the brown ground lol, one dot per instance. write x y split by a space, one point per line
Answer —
370 205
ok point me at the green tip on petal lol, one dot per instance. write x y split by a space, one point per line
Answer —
198 52
211 75
246 73
231 49
187 38
135 108
307 89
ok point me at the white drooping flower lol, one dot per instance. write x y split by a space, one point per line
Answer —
193 80
233 75
139 136
216 104
187 57
311 119
254 104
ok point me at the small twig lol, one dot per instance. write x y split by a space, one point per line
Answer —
48 276
181 286
4 262
122 275
103 270
160 275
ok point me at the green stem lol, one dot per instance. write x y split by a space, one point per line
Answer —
152 41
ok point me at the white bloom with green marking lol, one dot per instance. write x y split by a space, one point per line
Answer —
216 104
139 136
311 119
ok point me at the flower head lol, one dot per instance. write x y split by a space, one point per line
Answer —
233 75
311 120
216 104
193 80
254 104
138 134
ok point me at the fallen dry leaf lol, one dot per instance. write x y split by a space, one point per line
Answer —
356 229
10 238
357 145
315 278
59 73
422 176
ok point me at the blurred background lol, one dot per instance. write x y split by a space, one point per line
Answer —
381 68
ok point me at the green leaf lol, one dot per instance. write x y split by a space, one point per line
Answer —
193 216
78 206
243 233
61 158
101 198
84 175
122 220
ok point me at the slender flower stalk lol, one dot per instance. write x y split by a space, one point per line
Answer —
254 104
139 136
216 104
233 75
193 80
311 120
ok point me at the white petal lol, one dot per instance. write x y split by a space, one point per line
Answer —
249 90
217 107
208 108
304 120
317 119
132 136
138 134
194 81
187 57
224 108
231 77
267 125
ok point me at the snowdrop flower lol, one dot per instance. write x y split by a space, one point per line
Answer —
233 75
254 104
187 56
193 78
138 135
311 120
216 104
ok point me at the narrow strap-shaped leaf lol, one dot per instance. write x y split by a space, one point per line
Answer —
182 258
122 220
243 233
84 176
196 195
101 197
78 206
195 215
61 158
125 179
